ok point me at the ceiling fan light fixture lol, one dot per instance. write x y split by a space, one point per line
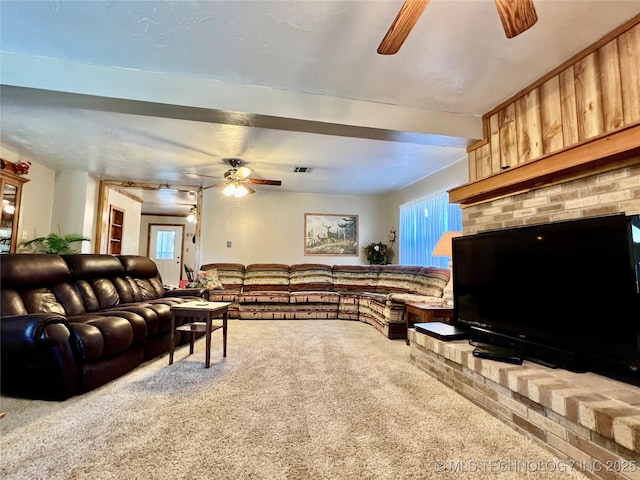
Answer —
236 180
241 191
193 215
230 190
237 190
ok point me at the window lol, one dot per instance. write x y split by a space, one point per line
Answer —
165 244
422 222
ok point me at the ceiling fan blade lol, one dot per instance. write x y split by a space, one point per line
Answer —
215 185
251 190
401 26
199 175
243 172
258 181
516 16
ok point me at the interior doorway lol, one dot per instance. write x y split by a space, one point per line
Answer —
171 202
166 249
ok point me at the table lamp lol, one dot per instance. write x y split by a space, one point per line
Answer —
444 248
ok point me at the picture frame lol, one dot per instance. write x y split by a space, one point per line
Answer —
331 234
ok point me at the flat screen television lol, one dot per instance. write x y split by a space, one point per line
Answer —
566 294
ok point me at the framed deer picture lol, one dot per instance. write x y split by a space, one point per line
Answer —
333 235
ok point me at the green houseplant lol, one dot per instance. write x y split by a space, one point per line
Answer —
376 253
56 243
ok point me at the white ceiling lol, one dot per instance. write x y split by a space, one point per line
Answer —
142 91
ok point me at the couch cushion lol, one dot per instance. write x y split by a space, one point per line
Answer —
29 281
231 275
137 266
266 277
310 277
397 278
99 280
430 281
94 266
33 270
355 278
31 300
143 278
102 336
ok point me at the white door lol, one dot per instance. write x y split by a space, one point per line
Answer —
165 248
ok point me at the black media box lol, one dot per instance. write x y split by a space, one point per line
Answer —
441 331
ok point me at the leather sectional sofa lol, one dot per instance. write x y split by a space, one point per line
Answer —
72 323
375 294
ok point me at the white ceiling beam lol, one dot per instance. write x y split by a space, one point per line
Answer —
239 104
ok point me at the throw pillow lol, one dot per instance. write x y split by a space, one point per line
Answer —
209 279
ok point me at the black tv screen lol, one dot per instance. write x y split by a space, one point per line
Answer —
567 292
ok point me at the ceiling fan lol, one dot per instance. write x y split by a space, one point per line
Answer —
516 17
235 181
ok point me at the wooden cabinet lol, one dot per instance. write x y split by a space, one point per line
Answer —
11 188
116 225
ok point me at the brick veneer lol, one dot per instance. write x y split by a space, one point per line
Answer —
584 417
605 193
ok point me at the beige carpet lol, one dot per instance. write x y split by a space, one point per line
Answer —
293 400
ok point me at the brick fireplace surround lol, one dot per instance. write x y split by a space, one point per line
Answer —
592 420
584 418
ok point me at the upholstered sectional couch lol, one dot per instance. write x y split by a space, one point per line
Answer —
375 294
72 323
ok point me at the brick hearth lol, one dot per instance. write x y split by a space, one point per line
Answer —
584 417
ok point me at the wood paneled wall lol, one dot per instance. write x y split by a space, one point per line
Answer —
595 93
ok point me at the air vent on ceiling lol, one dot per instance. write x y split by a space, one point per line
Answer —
303 169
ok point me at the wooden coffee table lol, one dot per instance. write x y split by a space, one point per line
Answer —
203 314
425 312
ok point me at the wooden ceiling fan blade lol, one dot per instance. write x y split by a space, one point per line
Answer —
258 181
401 26
517 16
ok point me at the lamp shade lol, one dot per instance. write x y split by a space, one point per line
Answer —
444 247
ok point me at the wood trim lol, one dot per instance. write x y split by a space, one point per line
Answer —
198 232
149 186
163 215
601 153
122 191
102 219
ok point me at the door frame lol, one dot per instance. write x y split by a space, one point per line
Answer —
102 209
